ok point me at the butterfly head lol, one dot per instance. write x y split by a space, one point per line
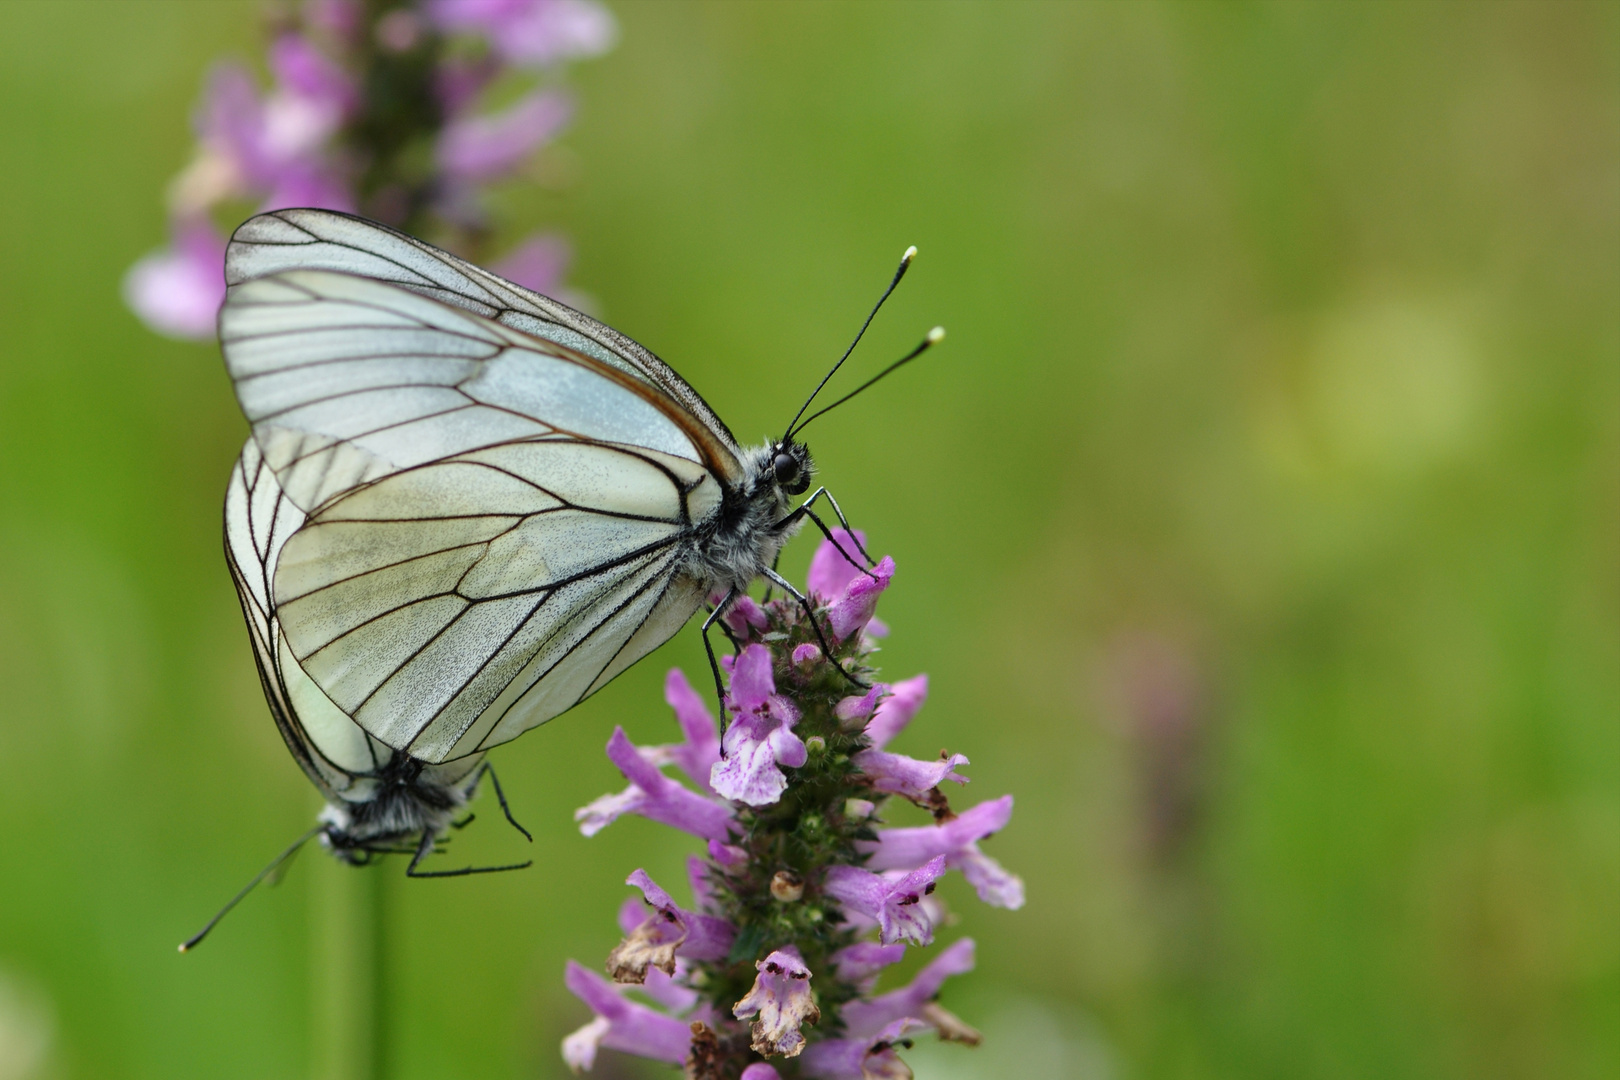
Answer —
792 467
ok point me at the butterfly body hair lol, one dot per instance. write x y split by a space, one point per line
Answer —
402 801
740 543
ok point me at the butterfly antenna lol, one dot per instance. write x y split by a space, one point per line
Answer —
905 261
275 864
935 336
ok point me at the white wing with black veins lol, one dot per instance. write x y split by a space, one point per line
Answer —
493 525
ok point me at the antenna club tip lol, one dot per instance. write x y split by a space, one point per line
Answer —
182 947
911 253
936 335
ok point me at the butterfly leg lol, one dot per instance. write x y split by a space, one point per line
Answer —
714 665
489 770
810 613
425 848
464 822
842 520
804 511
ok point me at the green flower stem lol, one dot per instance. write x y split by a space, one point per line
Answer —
349 972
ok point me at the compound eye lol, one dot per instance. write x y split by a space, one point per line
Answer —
786 469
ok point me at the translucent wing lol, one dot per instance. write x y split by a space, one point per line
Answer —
336 754
347 380
325 240
493 525
455 605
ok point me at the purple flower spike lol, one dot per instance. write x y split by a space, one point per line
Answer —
830 572
700 752
782 1000
895 711
861 1059
485 147
865 959
901 775
805 885
897 774
995 884
668 931
957 842
744 616
652 795
761 737
620 1025
854 609
707 938
859 708
177 291
896 906
867 1018
668 991
727 854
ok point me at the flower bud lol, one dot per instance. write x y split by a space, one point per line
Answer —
787 887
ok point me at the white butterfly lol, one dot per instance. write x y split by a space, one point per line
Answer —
464 508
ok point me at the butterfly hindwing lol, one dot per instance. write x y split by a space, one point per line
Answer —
458 603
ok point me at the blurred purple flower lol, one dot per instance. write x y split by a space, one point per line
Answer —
485 147
538 263
531 32
177 291
863 961
304 141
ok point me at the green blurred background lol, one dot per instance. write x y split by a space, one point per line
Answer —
1258 524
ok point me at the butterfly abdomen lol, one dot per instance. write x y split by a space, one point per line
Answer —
406 802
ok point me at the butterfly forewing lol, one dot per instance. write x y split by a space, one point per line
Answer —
324 240
337 406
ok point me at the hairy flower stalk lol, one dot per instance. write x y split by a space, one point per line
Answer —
376 107
804 897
